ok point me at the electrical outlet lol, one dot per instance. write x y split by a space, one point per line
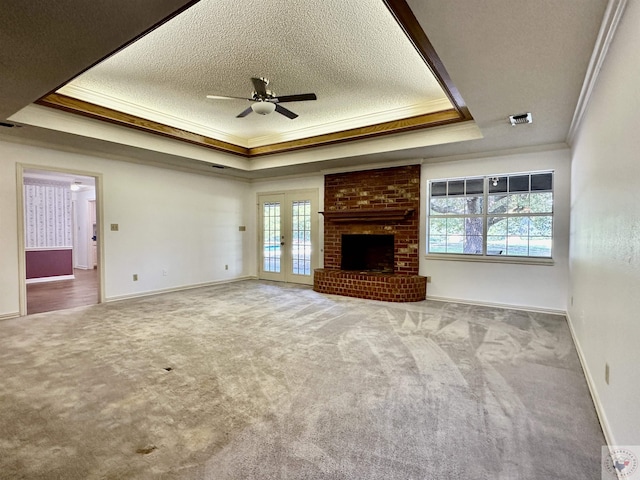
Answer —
606 373
114 227
164 272
135 277
242 228
226 267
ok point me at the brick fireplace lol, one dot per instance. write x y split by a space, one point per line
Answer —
382 203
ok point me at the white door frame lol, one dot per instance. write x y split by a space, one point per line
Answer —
22 268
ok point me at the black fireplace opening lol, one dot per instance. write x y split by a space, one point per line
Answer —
368 253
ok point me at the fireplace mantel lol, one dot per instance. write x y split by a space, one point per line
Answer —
368 215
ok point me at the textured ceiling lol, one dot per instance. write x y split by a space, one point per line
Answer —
45 43
351 53
504 56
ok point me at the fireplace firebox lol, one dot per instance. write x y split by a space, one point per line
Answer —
368 253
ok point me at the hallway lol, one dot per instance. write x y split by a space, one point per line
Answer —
50 296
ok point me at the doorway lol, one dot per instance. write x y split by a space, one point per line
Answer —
58 238
288 240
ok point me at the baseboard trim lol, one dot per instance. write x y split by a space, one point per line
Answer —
49 279
118 298
602 417
9 316
506 306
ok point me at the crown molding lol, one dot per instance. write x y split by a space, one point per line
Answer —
612 16
363 121
123 106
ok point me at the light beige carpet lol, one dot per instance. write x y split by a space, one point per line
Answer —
259 380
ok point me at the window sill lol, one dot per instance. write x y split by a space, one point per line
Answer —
490 259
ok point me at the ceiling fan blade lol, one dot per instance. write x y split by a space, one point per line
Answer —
224 97
285 112
244 113
260 86
295 98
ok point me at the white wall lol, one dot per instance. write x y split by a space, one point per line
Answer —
534 286
541 287
605 235
188 225
9 283
183 223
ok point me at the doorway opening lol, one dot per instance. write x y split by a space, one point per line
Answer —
59 239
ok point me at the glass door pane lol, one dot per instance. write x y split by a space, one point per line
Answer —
271 237
301 237
287 234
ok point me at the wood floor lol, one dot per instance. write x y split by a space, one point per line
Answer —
50 296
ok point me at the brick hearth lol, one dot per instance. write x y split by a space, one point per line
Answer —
387 287
383 201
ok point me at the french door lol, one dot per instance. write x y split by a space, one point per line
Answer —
288 236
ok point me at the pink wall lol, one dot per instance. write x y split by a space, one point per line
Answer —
49 263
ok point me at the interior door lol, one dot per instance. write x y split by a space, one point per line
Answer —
288 236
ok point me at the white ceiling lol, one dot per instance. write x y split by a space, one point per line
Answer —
504 56
351 53
45 43
84 183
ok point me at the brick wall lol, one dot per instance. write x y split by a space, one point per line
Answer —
386 188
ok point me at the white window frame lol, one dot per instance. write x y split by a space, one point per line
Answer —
483 257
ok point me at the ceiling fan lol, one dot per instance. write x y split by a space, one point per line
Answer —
265 101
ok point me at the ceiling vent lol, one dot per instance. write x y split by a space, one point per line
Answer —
520 119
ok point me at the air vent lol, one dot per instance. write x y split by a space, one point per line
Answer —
520 119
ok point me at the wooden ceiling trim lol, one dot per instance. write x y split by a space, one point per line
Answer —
91 110
409 23
151 28
443 117
80 107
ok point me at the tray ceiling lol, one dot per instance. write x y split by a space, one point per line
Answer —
370 76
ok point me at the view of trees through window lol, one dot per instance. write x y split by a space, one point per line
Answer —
509 215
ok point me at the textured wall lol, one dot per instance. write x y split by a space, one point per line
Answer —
387 188
605 235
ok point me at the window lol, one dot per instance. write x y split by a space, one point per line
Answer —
497 215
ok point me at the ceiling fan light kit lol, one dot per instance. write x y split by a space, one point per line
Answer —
265 101
263 107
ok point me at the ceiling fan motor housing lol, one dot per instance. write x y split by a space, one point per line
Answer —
257 97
